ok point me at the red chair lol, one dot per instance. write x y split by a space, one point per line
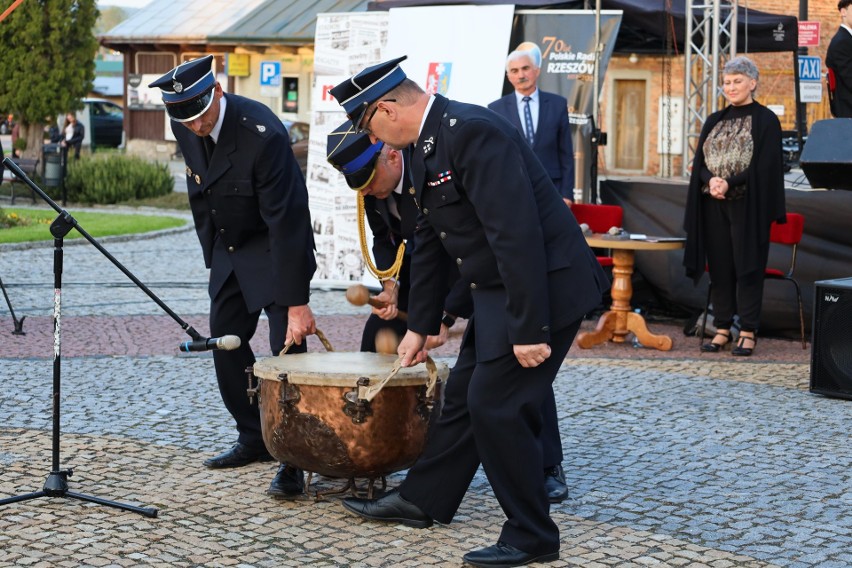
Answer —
790 234
599 218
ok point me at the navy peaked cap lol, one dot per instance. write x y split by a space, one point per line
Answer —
353 155
360 91
187 81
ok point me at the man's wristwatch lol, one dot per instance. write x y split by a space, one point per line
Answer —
448 320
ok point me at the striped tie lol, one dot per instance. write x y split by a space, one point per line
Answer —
528 123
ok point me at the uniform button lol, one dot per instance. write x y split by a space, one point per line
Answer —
212 211
221 231
425 211
545 328
230 249
443 235
236 190
443 198
473 285
207 191
458 261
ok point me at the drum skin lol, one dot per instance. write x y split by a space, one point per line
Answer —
311 416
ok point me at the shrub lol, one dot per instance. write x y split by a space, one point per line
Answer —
113 178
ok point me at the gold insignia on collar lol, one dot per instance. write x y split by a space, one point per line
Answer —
411 190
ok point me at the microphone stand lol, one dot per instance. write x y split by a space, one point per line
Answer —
18 323
56 484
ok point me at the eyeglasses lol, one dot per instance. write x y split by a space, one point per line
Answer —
366 128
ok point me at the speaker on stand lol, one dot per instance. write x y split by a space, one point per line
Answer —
831 351
826 157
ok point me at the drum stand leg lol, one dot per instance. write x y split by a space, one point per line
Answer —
350 487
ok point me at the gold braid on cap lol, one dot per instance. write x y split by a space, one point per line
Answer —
391 273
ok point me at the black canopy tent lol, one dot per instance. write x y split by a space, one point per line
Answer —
645 23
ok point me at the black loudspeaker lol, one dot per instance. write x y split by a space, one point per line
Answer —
827 156
831 349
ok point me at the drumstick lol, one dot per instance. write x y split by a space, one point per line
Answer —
386 341
358 295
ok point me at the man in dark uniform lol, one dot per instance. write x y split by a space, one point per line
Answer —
250 207
485 199
838 59
379 171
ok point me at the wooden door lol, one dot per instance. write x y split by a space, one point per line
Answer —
629 131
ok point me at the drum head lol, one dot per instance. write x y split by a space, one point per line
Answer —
342 369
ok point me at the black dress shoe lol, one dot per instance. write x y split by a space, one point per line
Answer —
238 456
554 484
390 507
502 554
288 483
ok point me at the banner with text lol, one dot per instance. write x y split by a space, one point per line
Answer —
567 42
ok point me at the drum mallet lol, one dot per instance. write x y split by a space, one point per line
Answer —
358 295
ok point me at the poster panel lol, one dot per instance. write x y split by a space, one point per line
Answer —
456 51
567 42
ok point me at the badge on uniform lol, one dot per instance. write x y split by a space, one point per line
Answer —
261 128
427 144
442 178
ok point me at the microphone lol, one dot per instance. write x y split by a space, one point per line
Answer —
225 343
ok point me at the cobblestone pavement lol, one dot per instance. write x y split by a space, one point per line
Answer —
671 461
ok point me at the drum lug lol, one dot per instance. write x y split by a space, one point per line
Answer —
356 408
290 395
424 404
253 386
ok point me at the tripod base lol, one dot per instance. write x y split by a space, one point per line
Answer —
56 485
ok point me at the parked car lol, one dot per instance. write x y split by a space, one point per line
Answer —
299 136
106 121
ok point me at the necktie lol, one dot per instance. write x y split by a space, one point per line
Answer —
528 123
209 147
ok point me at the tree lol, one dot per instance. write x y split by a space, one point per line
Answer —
47 63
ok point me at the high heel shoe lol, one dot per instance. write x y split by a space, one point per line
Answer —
741 350
715 346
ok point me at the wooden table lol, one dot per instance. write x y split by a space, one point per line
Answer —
620 319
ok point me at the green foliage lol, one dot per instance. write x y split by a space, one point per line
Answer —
47 65
113 178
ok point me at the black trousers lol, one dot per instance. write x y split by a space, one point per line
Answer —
230 316
733 291
492 415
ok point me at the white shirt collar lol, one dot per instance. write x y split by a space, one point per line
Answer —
425 114
519 98
214 134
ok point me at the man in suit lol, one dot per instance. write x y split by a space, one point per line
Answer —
541 117
838 59
250 207
485 200
381 175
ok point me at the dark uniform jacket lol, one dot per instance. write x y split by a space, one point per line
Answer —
251 207
553 144
838 58
486 199
388 232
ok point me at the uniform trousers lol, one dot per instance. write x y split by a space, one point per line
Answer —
492 415
734 291
229 315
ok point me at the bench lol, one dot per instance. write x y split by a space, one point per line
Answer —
29 166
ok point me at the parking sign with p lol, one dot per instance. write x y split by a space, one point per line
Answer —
270 73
